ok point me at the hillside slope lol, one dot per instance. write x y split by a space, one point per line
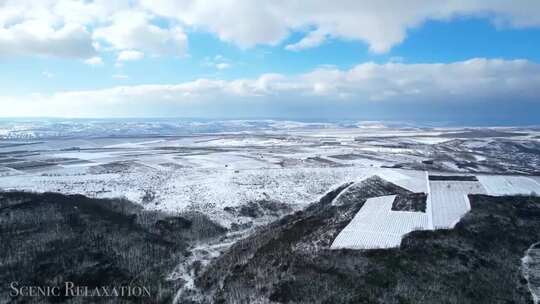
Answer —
49 239
289 261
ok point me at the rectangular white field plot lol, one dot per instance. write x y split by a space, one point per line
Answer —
449 201
509 185
377 226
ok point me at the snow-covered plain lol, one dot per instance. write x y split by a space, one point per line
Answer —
208 166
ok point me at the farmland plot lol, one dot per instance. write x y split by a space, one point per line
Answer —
509 185
449 201
377 226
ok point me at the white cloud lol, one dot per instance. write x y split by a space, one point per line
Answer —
48 28
94 61
133 30
34 37
382 24
245 23
465 82
130 55
67 28
73 29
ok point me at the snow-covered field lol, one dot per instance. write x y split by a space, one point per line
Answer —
509 185
206 189
449 201
377 226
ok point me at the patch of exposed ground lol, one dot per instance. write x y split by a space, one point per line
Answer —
414 202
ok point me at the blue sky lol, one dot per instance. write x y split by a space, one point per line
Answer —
232 59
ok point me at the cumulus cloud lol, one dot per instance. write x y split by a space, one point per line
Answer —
460 83
48 28
67 28
246 23
381 24
34 37
132 30
74 29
